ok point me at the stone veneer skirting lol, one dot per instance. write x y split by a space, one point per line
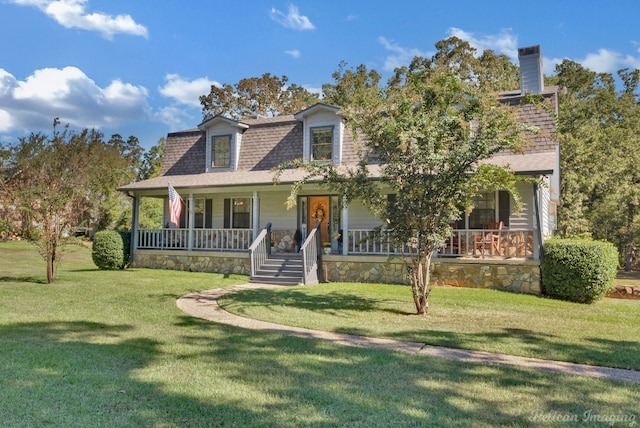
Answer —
194 261
518 275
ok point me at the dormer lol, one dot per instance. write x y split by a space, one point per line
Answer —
323 133
224 138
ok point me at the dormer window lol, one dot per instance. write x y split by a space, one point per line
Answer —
220 151
322 143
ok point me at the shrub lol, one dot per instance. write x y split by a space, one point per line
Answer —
578 270
126 244
108 250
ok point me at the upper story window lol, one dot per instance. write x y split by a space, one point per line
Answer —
220 151
322 143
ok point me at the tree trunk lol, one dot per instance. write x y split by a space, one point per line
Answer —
629 247
420 278
51 264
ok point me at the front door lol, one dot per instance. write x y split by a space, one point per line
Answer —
319 212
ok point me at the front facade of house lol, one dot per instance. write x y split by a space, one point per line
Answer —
223 172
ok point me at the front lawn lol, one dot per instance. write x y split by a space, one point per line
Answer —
111 349
606 333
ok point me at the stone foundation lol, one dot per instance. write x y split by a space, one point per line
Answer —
517 275
521 276
194 261
282 241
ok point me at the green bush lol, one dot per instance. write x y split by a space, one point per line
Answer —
578 270
108 250
126 244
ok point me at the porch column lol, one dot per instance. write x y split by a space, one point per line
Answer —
256 214
537 226
345 226
135 213
191 222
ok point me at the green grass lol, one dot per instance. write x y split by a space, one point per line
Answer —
111 349
606 333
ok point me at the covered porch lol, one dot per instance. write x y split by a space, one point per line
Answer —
469 243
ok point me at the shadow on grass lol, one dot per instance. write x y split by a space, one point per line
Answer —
94 374
623 354
27 279
326 302
63 374
362 387
600 352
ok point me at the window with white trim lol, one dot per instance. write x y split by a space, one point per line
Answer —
322 143
237 213
220 151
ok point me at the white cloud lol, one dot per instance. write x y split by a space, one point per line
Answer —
292 20
175 117
294 53
187 92
504 43
608 61
401 56
69 94
73 14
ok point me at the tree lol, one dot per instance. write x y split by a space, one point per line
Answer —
151 209
428 130
265 96
151 163
600 128
59 182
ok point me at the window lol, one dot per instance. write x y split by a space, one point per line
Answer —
221 151
490 207
203 213
322 143
237 213
484 210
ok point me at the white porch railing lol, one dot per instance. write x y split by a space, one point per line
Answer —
311 256
203 239
260 249
463 243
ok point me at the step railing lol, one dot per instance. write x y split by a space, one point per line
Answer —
260 249
311 256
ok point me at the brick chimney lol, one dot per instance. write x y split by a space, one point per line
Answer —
531 75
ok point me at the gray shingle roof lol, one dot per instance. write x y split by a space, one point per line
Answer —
268 142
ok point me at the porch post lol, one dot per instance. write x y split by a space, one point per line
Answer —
345 226
133 245
191 222
256 214
537 230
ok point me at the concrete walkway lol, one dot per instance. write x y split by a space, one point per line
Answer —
205 305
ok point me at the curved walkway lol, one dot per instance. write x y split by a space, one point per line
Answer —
205 305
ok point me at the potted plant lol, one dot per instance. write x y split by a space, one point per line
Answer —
327 247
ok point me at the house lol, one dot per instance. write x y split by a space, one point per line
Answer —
223 171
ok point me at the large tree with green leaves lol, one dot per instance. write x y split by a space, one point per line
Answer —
600 129
58 181
428 130
268 95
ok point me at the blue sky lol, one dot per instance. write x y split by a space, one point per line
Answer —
138 67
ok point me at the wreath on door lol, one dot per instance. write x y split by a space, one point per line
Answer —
319 213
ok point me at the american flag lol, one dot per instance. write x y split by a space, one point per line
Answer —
175 206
